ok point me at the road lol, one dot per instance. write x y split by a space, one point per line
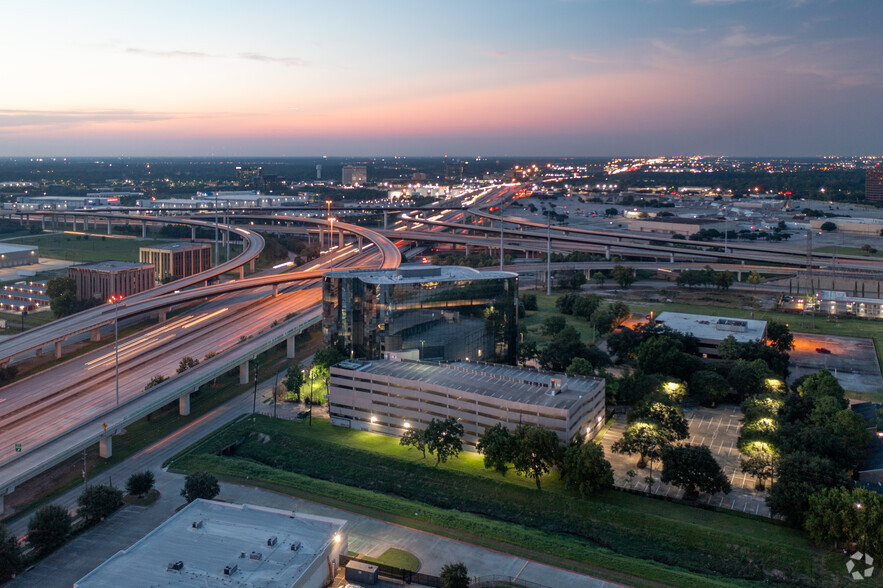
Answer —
47 416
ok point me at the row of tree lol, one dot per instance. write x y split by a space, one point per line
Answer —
706 277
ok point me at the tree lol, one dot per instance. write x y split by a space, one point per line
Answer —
868 249
155 381
186 363
98 501
585 305
846 517
670 418
294 379
200 485
327 357
621 312
693 468
62 292
561 350
537 450
527 351
603 320
585 470
761 464
623 343
580 367
828 226
645 439
140 483
48 528
754 278
11 559
454 575
708 387
530 301
799 476
610 211
444 439
623 275
554 324
779 336
496 444
414 438
599 278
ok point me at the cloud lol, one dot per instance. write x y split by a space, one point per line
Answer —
285 61
740 38
715 2
20 118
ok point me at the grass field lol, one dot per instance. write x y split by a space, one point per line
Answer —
87 248
851 250
396 558
546 307
643 531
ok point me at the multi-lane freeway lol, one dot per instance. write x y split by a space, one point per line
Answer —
57 412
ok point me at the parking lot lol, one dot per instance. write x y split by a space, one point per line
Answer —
719 429
852 360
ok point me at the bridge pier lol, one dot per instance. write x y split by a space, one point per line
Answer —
340 239
275 290
74 223
243 372
241 272
607 252
360 243
467 249
95 334
108 226
251 266
161 314
385 219
143 230
58 350
671 257
289 347
321 239
105 447
184 404
739 276
193 233
43 223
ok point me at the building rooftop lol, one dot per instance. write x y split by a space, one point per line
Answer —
178 246
112 265
713 328
840 296
9 248
412 273
683 220
506 382
207 536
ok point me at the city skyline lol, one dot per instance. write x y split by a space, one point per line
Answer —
582 78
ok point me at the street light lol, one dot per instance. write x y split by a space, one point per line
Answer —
331 221
115 300
328 202
311 396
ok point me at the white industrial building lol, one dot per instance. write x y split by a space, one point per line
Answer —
212 543
711 330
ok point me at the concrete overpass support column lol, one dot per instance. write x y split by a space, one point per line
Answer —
340 239
321 239
275 290
243 372
161 314
738 276
251 266
467 249
360 243
227 239
1 503
193 233
43 222
385 220
95 334
671 257
289 347
607 252
108 227
143 230
241 272
184 405
74 223
105 447
58 350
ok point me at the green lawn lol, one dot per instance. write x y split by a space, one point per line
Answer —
396 558
546 307
851 250
604 531
88 248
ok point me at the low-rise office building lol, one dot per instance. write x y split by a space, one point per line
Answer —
442 313
836 302
859 226
177 260
391 395
711 330
675 225
212 543
104 279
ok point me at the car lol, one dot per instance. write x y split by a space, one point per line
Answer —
823 350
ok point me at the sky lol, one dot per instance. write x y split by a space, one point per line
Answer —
460 78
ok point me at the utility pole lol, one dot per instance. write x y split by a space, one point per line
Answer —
501 237
549 256
275 388
254 404
84 467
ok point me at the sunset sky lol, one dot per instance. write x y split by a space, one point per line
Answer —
478 77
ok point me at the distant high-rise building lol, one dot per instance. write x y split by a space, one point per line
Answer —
177 260
248 176
319 171
354 174
874 185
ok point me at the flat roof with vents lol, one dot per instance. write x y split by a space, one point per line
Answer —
713 328
252 543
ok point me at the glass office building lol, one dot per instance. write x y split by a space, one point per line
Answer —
441 313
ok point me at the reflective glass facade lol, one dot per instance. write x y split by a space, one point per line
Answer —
428 312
